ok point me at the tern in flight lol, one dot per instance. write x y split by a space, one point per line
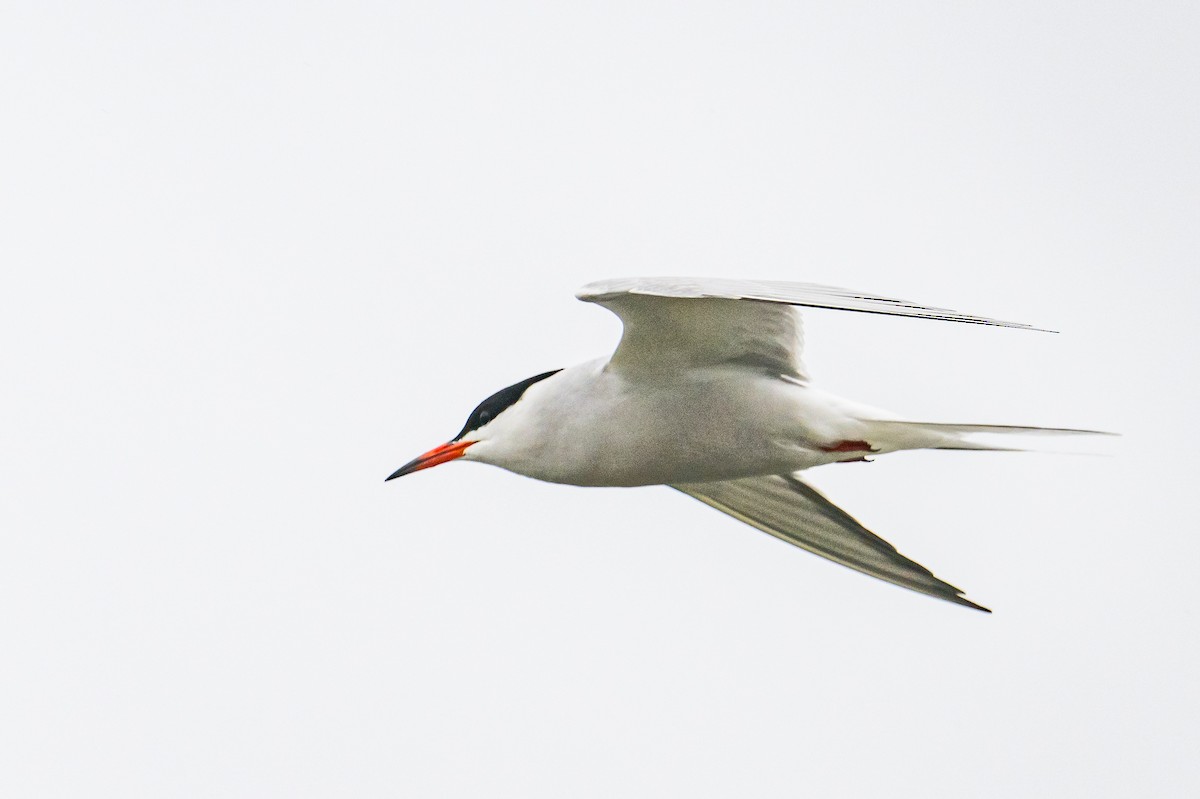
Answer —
707 393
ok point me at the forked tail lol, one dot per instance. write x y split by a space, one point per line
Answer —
893 435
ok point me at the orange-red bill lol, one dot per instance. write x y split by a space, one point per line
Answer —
442 454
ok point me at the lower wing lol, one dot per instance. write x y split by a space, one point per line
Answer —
795 512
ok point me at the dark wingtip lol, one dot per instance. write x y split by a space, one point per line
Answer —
962 600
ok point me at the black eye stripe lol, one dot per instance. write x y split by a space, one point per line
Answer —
494 405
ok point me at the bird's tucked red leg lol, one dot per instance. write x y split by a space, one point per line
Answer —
849 446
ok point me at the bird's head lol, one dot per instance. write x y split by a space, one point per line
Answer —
484 423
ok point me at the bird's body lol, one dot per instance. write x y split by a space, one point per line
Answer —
663 429
707 393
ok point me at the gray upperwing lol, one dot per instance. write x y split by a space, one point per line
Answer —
810 295
797 513
679 323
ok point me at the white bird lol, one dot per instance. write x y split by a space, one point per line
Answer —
706 393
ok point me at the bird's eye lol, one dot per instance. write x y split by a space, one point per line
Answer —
485 417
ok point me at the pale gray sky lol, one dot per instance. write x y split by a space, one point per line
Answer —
256 256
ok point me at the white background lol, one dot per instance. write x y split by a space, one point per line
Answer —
257 255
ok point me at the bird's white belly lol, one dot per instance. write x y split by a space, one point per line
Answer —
603 429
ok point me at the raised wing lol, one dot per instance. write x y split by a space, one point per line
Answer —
797 513
680 322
